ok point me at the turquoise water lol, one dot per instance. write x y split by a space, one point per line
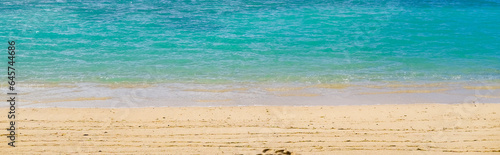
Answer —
232 41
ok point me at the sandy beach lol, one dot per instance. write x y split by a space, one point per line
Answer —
250 77
363 129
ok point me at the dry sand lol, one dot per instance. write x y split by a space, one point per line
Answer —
370 129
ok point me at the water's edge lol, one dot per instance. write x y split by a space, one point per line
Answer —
95 95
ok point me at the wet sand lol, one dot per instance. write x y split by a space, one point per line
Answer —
361 129
92 95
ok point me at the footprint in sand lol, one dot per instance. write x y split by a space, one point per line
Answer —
276 152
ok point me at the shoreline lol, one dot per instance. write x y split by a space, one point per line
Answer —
354 129
94 95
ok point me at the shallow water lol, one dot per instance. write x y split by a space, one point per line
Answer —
253 41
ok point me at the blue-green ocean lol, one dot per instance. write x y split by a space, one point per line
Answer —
253 41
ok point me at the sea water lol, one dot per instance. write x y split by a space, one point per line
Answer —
253 41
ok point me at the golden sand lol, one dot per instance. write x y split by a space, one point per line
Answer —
481 87
371 129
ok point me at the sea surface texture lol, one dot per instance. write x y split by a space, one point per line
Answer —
253 41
